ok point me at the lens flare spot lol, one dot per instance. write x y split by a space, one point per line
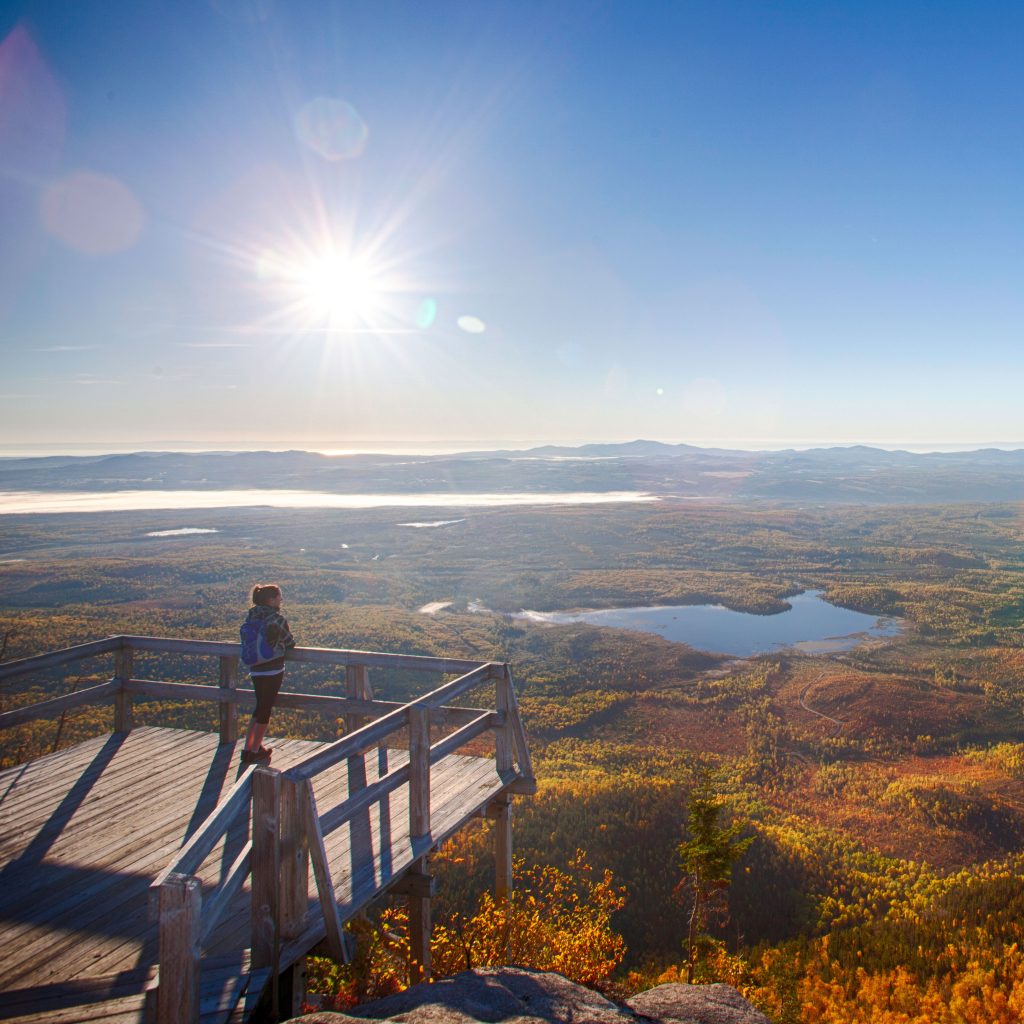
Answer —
332 128
267 265
659 392
92 213
471 324
426 314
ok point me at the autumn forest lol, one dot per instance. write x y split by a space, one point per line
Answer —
871 800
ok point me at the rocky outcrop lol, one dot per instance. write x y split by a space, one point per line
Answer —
513 995
705 1004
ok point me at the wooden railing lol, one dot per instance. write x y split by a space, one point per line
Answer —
287 829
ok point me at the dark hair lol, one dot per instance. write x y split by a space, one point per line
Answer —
263 593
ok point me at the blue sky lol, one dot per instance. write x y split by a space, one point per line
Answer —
729 223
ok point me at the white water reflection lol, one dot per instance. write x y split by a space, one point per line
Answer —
183 531
436 522
433 607
24 502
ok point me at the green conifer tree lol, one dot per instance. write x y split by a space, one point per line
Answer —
707 858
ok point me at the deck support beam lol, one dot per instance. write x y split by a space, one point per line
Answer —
293 989
420 927
123 660
180 950
500 811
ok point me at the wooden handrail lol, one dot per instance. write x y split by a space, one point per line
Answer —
363 798
470 731
457 687
305 655
349 746
290 699
48 708
53 659
200 845
372 734
375 659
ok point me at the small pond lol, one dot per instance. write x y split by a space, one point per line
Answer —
811 625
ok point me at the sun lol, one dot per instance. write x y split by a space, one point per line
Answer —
339 290
338 286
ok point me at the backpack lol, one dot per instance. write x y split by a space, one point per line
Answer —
255 645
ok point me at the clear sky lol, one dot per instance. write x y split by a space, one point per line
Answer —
359 224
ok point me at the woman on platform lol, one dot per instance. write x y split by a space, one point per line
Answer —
266 639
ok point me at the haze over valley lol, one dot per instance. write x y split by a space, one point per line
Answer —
857 474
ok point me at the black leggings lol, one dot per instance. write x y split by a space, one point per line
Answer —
266 688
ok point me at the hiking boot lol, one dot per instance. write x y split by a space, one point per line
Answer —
261 756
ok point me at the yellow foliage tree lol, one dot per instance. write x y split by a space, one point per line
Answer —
553 921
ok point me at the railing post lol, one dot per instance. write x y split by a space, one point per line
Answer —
266 868
177 1000
501 810
228 710
522 749
503 738
419 928
419 771
294 860
357 687
123 662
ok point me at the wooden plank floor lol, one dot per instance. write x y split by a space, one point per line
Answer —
84 831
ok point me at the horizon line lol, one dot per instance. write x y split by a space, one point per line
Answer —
85 449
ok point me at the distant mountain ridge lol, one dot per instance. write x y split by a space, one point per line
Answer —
857 474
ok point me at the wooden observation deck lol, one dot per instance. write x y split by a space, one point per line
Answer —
145 876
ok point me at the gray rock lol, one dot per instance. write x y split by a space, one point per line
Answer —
696 1004
498 994
325 1017
515 995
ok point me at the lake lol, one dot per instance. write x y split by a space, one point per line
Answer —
25 502
811 625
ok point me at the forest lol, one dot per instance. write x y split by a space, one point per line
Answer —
881 789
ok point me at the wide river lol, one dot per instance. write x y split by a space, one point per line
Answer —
810 625
23 502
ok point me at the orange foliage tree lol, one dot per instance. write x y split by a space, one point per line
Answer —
553 921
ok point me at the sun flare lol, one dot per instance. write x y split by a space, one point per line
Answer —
340 290
333 290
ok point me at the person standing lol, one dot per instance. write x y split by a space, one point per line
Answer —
266 639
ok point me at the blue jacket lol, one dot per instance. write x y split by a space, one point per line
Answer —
276 638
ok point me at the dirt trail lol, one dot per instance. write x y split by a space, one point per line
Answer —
803 703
